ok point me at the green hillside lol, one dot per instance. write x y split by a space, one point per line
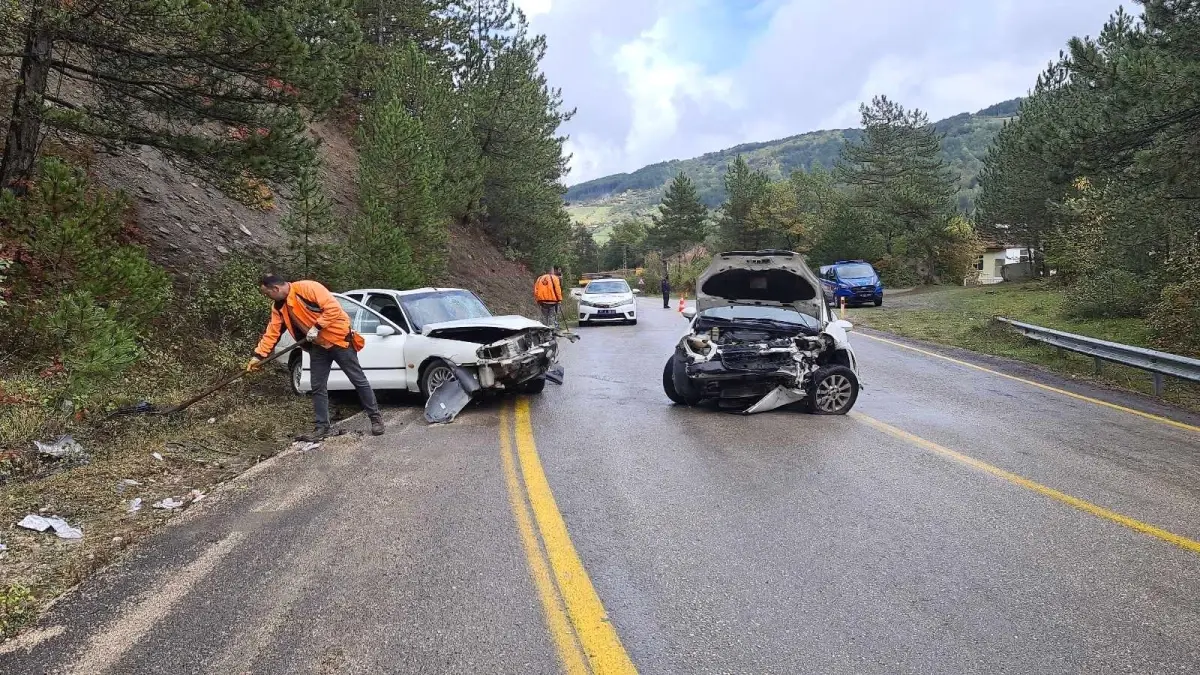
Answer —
601 202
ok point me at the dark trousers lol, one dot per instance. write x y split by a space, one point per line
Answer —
322 360
666 299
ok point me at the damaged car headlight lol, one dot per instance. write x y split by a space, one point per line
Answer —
699 344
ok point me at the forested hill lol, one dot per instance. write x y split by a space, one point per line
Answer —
601 202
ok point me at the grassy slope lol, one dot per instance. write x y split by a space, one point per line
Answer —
962 317
601 202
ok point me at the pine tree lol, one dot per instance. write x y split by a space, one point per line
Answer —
163 73
514 117
743 189
900 181
308 226
680 222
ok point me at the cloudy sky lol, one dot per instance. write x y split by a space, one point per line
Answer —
670 79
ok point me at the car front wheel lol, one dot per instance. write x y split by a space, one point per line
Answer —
833 391
534 386
435 374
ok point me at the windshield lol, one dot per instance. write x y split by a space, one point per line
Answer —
608 286
783 314
855 271
439 306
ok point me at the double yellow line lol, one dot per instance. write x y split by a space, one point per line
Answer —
583 635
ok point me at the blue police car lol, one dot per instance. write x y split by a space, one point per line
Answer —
854 280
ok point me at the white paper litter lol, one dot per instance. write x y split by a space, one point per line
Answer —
168 503
157 456
63 446
135 505
42 523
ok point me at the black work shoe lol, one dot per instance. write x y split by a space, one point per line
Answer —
320 433
376 426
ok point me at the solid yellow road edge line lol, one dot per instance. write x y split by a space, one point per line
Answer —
569 652
596 633
1082 505
1039 385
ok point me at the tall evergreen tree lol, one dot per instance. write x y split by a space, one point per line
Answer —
309 226
743 189
900 180
162 73
680 222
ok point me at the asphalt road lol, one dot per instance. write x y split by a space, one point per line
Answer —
958 521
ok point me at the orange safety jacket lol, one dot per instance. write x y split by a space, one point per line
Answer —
309 303
547 289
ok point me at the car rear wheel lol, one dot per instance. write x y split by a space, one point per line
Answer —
833 391
434 375
296 372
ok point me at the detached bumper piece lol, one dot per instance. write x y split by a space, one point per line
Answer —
451 396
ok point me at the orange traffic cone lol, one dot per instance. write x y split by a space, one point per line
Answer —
681 304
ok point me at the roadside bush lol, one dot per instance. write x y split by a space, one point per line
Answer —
80 292
1175 319
17 609
896 272
1108 294
92 343
71 237
227 304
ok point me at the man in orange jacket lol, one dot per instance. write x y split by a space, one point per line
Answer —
547 293
310 312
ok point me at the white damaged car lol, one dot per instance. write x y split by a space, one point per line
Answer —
761 337
417 340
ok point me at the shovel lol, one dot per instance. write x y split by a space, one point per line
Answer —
149 409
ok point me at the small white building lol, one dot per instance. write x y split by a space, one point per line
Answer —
989 267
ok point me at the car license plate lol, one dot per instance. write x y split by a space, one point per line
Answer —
608 311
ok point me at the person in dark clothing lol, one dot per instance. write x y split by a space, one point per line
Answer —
666 291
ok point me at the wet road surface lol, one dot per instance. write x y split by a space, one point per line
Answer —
958 521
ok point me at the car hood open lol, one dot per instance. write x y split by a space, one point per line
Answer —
772 278
483 330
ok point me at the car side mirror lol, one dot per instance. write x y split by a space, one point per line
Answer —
384 330
689 313
844 325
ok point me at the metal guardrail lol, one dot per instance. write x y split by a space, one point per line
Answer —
1157 363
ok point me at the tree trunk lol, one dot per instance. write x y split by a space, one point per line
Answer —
20 150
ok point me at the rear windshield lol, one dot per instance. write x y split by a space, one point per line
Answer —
855 271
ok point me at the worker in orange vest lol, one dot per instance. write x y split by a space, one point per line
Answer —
310 312
547 293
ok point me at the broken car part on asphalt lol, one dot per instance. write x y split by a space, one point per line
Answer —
762 338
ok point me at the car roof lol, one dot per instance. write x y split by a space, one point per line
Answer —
392 291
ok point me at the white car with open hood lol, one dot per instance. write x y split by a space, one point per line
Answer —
761 337
417 340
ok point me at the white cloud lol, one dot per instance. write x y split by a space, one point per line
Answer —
669 79
533 8
657 81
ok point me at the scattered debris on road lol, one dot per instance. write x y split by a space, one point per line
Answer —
168 503
135 505
41 524
157 455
